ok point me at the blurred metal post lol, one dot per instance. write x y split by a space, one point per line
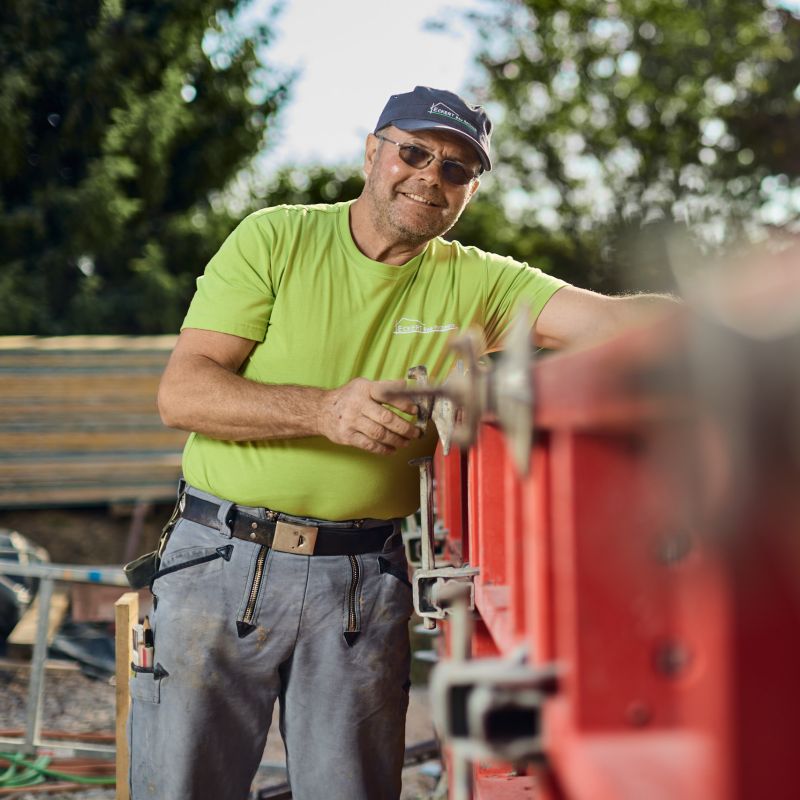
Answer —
34 711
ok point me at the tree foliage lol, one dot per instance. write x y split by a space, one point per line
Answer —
309 185
119 121
618 114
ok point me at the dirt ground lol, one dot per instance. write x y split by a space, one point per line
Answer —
100 536
85 535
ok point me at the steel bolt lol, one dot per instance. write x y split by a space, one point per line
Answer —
674 548
638 714
672 659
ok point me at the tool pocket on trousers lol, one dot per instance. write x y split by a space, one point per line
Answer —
395 569
193 552
393 599
194 558
145 683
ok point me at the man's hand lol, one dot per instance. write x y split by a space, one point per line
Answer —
354 415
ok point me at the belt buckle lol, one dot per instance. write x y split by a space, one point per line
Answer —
293 538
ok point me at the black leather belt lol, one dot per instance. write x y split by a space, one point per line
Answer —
287 537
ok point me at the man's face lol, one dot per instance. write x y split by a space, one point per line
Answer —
416 205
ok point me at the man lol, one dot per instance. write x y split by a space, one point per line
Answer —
284 574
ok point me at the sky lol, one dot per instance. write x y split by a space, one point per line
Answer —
352 54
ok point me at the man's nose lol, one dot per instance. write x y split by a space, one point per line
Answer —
432 173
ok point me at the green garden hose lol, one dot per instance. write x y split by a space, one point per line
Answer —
22 772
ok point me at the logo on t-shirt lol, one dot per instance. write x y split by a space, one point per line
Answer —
406 325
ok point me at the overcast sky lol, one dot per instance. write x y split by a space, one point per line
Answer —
352 55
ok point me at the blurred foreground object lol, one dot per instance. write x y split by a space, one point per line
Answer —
636 630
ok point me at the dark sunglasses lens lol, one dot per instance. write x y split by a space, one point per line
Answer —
414 156
418 158
456 173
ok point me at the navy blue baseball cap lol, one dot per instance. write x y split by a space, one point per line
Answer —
427 109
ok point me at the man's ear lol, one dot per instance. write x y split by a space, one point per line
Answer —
370 152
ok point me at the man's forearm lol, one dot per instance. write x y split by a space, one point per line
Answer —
578 317
636 309
200 395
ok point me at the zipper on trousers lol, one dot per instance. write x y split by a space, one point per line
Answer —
245 625
353 626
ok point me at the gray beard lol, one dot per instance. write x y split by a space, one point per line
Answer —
384 219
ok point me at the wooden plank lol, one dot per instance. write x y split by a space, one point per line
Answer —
50 442
31 363
77 467
126 615
95 343
67 410
27 360
91 495
22 638
79 421
70 385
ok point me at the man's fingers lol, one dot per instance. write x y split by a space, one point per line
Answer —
357 418
392 422
380 433
363 442
386 392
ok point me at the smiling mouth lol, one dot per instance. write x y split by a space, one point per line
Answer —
420 199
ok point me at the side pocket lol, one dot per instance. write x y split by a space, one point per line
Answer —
389 567
145 683
193 557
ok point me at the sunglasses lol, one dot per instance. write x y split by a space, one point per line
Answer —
419 158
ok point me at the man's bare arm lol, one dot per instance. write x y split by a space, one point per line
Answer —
202 391
575 316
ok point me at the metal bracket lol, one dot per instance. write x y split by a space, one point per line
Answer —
505 390
412 539
436 590
440 409
491 708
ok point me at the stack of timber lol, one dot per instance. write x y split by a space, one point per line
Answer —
79 423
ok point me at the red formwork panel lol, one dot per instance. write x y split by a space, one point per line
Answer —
489 522
678 649
634 660
450 477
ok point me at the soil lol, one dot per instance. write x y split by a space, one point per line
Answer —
86 535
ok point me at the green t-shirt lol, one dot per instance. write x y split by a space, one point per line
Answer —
322 313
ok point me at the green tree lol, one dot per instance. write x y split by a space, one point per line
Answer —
615 115
307 185
121 121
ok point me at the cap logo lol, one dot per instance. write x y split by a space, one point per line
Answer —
444 111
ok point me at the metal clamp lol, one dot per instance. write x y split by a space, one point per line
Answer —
436 590
491 708
412 540
504 389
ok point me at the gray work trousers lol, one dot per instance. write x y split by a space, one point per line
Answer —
326 635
